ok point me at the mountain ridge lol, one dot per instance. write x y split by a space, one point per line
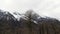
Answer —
28 23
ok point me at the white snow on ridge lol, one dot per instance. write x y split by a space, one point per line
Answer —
17 16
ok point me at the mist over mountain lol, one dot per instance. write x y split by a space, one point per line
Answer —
28 23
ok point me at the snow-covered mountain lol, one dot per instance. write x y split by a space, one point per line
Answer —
6 15
30 22
29 14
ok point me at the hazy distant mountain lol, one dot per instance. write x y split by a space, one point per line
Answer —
28 23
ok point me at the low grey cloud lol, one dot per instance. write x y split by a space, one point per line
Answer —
49 8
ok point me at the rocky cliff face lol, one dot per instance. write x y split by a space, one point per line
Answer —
29 23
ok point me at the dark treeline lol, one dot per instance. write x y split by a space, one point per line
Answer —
30 23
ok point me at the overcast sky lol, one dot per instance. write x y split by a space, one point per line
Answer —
49 8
